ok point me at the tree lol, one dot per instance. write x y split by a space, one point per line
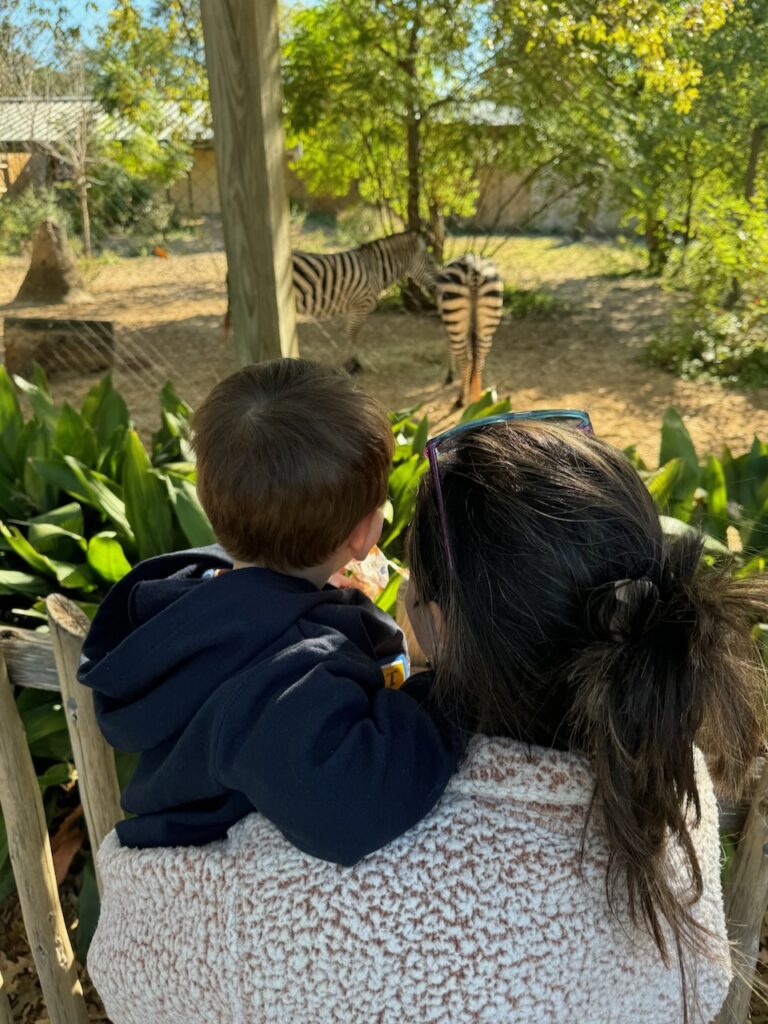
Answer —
140 63
381 94
614 90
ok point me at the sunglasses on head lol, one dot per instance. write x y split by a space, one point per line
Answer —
559 417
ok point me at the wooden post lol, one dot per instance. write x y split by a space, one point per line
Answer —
6 1017
746 900
30 852
242 53
94 759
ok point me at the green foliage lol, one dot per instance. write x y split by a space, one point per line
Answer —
22 215
82 500
533 304
139 63
721 329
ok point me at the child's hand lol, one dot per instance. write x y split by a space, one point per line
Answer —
371 575
343 582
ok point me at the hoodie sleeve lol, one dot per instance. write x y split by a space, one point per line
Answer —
336 761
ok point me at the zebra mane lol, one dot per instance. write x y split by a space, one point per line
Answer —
396 240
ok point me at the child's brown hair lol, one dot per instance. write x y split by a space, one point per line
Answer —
291 457
571 621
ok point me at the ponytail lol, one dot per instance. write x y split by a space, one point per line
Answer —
572 622
673 664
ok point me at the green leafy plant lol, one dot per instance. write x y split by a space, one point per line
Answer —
82 499
533 304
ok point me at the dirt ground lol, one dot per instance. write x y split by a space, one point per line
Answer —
168 313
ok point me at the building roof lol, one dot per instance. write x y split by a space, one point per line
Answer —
39 121
26 122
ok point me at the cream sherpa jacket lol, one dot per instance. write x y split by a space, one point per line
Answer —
481 913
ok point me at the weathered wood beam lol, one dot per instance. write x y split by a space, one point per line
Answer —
242 53
95 761
32 863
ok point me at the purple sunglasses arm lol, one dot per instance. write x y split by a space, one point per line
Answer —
430 451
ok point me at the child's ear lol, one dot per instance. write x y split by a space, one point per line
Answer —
366 534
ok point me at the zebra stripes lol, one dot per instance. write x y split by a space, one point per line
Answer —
349 283
469 301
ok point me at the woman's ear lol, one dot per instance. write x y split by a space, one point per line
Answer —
427 622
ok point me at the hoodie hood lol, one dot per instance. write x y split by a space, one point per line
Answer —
167 636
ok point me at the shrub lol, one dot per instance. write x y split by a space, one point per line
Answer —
722 329
533 304
21 215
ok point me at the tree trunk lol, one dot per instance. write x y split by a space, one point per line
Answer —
657 242
413 135
750 176
755 148
86 217
437 229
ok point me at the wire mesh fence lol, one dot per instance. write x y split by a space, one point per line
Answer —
137 196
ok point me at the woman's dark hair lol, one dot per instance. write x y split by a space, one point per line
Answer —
572 622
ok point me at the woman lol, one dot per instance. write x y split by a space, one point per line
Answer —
571 870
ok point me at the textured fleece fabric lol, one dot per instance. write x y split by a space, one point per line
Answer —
258 691
480 913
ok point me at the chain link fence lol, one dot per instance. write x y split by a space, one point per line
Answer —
139 205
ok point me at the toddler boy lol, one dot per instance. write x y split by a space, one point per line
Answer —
242 679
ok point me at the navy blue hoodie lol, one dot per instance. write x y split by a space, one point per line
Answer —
256 691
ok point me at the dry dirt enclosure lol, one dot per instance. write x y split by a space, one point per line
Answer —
168 313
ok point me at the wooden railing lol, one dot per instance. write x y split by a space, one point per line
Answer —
49 662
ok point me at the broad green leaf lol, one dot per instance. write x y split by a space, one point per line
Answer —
662 483
488 405
40 563
107 558
36 443
66 517
43 721
87 486
13 502
106 412
756 541
14 582
147 504
633 456
170 402
57 775
189 512
78 578
403 484
75 436
676 527
420 437
676 443
40 401
11 425
387 599
88 906
58 544
716 519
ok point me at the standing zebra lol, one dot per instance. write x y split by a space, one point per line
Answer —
350 282
469 301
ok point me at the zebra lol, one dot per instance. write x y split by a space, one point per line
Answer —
469 301
349 283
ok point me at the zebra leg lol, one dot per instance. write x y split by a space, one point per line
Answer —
355 320
451 375
481 346
464 366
